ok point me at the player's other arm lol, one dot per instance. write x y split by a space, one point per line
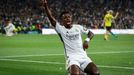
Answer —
116 15
89 37
103 23
49 14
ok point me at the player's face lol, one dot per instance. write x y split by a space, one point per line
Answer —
67 20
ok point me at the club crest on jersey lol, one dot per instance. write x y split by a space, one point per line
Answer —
72 36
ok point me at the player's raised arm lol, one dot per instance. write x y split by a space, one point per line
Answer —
49 14
116 15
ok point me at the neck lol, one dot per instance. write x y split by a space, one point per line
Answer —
68 26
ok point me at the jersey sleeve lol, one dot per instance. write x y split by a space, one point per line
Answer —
58 27
13 27
83 29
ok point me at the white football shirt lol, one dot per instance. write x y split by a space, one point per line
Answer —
72 39
9 29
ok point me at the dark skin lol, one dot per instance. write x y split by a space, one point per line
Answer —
85 43
66 21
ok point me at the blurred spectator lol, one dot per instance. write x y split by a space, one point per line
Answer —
10 28
27 13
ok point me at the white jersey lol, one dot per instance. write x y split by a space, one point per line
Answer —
9 29
72 39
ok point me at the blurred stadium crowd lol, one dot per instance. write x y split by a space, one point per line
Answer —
27 15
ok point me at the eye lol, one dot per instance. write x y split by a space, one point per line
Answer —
69 16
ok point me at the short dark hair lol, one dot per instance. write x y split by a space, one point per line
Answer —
64 12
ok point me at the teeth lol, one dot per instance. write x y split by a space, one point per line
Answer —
68 23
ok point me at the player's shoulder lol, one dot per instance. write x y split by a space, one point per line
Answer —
58 25
10 24
109 15
77 25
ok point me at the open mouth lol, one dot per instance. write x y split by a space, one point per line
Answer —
68 22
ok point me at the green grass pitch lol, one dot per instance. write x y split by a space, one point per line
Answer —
44 55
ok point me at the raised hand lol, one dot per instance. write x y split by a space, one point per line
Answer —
43 2
48 12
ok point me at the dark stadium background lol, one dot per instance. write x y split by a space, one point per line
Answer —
37 54
28 15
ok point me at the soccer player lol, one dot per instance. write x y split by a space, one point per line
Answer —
9 28
70 34
108 18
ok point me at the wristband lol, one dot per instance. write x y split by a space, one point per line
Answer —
87 39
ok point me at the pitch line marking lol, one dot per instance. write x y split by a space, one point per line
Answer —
59 63
31 61
112 52
117 67
30 55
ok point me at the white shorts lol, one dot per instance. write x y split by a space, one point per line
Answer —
80 61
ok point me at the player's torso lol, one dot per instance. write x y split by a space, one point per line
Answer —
72 36
108 19
9 27
72 40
